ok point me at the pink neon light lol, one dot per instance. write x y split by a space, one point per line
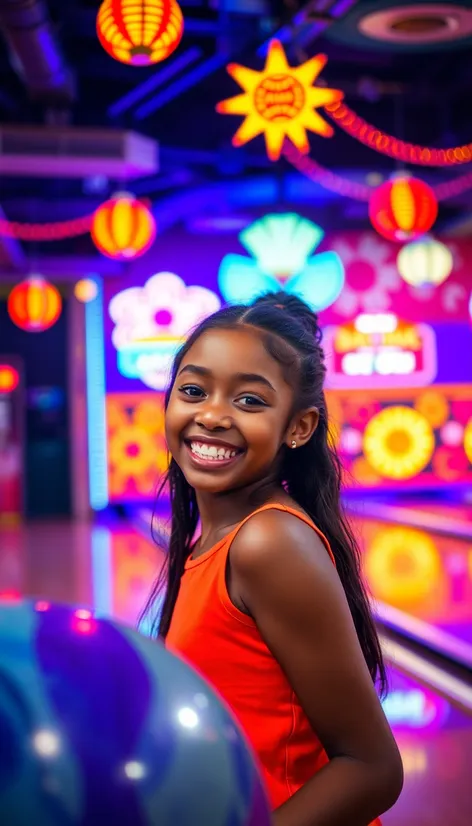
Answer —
83 614
10 595
46 232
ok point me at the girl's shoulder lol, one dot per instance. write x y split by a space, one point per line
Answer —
276 534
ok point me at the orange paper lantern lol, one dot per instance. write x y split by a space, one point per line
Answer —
403 209
140 32
34 305
9 378
123 228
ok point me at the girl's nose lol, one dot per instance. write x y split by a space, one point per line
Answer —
213 417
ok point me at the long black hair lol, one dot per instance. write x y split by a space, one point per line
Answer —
311 475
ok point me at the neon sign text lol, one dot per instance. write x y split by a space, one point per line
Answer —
380 351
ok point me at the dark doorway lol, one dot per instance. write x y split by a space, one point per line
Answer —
46 414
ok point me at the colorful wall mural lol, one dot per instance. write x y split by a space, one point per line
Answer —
412 438
137 453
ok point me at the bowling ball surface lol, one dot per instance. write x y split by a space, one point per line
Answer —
100 725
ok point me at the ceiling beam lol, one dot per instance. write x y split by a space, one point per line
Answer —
309 23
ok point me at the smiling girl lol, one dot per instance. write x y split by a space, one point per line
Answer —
268 603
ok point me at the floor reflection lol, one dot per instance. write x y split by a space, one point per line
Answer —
424 576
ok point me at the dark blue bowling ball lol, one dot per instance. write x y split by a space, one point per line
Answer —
99 725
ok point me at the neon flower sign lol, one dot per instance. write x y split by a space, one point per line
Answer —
151 323
282 247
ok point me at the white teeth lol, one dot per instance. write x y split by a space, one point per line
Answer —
215 454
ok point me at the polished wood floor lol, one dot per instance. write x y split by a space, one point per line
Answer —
109 568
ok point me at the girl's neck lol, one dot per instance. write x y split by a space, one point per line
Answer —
221 512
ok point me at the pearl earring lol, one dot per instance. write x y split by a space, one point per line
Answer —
294 444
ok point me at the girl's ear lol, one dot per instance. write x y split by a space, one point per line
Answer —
302 428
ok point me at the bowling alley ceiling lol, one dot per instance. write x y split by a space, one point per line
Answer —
404 67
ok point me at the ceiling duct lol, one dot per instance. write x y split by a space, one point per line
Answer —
75 152
35 52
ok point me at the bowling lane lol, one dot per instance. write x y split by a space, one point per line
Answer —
451 518
107 567
435 741
422 584
421 581
110 566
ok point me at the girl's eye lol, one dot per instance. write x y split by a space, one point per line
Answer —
192 390
251 401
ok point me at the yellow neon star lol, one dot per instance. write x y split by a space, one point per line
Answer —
279 101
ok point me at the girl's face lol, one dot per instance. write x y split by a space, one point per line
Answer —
228 412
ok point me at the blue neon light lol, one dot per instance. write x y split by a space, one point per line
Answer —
102 571
281 246
141 357
96 413
181 85
157 79
413 708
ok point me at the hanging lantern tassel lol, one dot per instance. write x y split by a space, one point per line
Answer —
123 228
425 262
403 209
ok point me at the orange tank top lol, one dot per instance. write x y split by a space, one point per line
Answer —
224 645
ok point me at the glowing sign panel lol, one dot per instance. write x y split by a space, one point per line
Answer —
151 323
380 351
148 361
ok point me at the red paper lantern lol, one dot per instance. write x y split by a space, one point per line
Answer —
140 32
9 378
403 209
34 305
123 228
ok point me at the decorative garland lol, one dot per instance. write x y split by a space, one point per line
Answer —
451 188
394 147
361 192
56 231
320 175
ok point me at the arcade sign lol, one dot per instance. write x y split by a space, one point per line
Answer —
379 350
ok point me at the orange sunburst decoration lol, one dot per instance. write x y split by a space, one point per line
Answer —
280 101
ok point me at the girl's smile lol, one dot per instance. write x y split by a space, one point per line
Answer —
210 453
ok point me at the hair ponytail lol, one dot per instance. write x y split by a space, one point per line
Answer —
312 476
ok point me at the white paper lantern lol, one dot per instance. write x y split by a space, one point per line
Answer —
425 262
